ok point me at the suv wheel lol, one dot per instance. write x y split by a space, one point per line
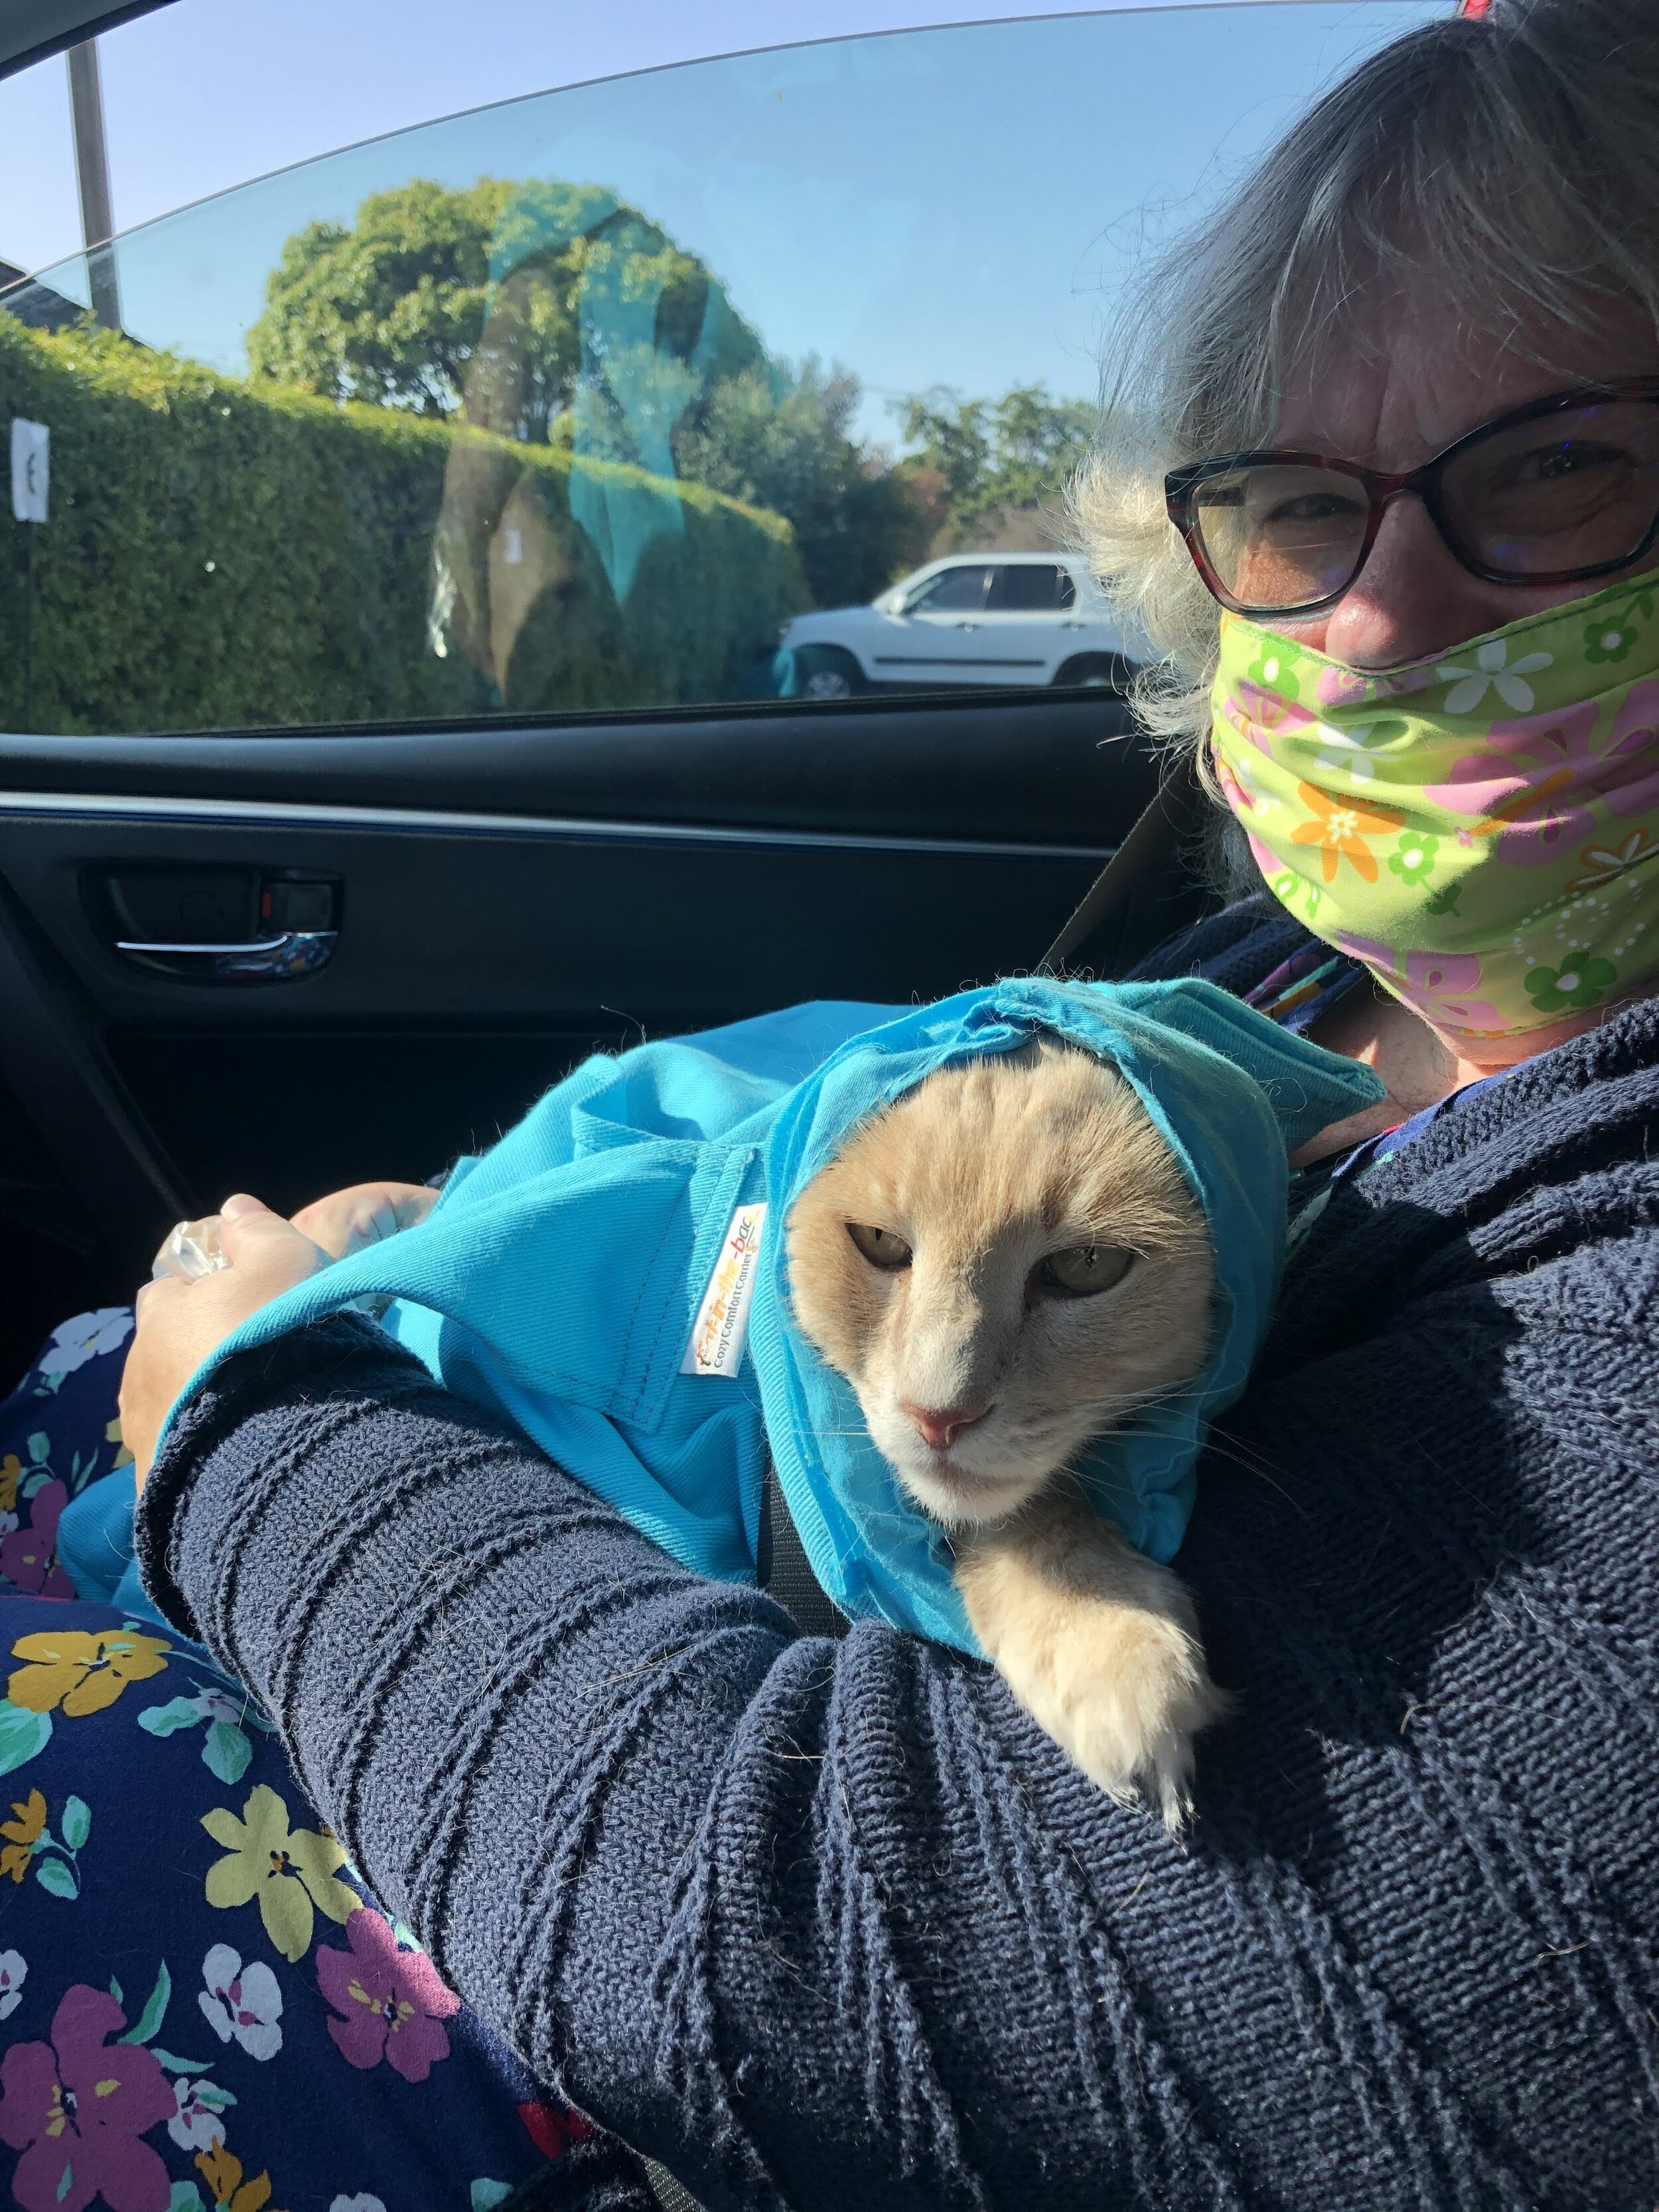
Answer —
824 671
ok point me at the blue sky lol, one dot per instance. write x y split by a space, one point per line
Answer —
957 206
262 83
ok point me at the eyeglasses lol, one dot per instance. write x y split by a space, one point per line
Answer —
1564 487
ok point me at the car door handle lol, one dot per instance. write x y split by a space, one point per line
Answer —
966 625
280 958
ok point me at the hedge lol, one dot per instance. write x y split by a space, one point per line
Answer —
225 556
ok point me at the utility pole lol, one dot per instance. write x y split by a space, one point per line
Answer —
92 174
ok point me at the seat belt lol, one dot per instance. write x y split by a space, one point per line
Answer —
671 2195
1149 859
783 1570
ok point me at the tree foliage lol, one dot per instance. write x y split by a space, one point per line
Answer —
997 456
502 300
786 443
388 311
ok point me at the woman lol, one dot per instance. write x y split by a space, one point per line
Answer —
833 1925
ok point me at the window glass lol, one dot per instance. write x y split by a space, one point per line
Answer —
958 590
631 396
1031 587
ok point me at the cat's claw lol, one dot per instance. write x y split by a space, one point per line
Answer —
1123 1693
1100 1647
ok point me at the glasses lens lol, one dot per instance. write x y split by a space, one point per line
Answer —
1568 492
1279 536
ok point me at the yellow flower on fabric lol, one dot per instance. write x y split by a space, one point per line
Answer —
1340 829
23 1831
287 1871
82 1672
113 1436
11 1474
222 2170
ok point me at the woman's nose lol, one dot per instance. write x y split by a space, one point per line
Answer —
1411 599
940 1426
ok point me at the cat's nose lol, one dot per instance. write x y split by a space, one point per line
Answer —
940 1426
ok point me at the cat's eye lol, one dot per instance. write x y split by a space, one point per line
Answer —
881 1247
1080 1272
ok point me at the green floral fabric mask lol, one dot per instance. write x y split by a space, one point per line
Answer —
1481 829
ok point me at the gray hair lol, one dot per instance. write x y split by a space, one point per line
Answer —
1515 156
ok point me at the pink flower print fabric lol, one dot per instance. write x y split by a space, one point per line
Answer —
77 2107
28 1557
388 2002
1528 788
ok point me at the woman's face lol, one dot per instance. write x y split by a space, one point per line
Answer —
1428 383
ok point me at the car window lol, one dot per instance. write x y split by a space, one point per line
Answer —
1031 587
572 405
958 590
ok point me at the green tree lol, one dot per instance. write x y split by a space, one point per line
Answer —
389 310
952 441
514 303
785 442
996 457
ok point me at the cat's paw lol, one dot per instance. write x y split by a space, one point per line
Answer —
1123 1692
1100 1647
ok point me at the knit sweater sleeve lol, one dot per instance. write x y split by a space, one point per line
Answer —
835 1926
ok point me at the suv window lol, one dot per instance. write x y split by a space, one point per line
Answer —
958 590
569 405
1032 587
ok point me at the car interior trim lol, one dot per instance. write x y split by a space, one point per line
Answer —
562 828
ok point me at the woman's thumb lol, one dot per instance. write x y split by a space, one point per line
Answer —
254 1239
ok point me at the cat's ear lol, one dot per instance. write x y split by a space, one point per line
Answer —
1307 1087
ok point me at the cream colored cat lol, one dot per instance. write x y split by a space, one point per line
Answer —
1003 1264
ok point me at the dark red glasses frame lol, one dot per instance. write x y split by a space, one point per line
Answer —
1182 485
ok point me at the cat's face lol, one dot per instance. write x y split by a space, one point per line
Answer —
1002 1264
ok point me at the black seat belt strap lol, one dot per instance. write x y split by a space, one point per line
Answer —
784 1571
1151 849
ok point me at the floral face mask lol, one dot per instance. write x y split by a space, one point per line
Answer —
1482 830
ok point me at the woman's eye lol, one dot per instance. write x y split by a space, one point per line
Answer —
1571 458
1312 506
881 1247
1082 1271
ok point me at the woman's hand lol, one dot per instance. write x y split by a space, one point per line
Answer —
179 1323
347 1221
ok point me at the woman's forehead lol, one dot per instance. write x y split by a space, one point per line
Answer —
1404 377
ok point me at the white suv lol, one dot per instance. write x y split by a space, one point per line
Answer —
977 618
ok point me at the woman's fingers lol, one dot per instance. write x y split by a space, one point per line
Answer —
180 1321
179 1324
348 1220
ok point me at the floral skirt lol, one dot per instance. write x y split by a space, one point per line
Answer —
202 2007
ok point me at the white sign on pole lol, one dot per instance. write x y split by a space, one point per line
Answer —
30 457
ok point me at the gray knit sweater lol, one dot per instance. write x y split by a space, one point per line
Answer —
835 1926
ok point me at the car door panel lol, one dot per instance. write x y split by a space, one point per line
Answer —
1060 769
941 631
1022 633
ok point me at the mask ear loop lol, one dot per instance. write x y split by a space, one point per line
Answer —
1152 850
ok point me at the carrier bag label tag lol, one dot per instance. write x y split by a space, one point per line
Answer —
722 1324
